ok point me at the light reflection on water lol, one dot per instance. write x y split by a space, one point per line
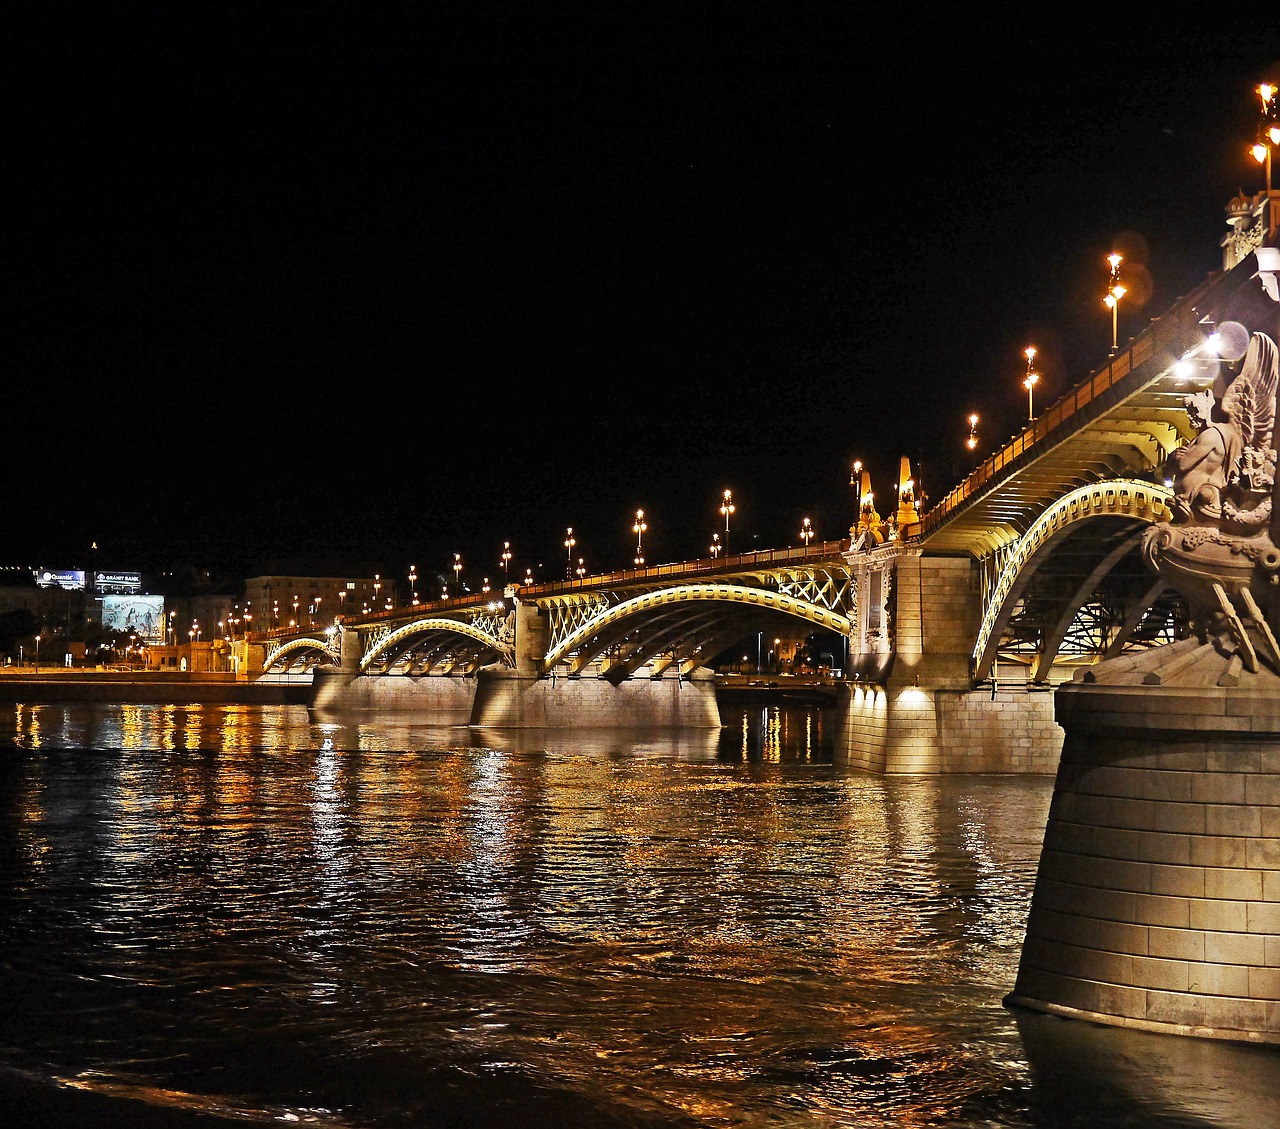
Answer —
367 920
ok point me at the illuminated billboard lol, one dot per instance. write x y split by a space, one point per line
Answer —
68 578
117 582
135 615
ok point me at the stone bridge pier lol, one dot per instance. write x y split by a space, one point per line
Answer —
912 708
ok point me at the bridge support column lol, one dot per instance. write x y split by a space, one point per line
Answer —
512 699
1157 901
923 716
531 638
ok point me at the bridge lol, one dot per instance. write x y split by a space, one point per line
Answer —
948 621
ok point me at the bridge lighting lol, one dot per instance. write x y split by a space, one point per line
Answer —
506 556
528 575
569 542
581 570
316 614
457 571
806 532
484 588
1115 291
726 509
638 529
1268 138
972 441
715 546
1030 381
855 480
413 584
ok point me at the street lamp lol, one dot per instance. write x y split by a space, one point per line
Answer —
806 531
715 546
972 441
295 610
1030 381
569 543
457 571
726 508
581 570
638 529
1268 139
506 556
38 653
315 615
1115 291
413 584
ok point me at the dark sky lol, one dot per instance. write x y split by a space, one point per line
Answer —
386 283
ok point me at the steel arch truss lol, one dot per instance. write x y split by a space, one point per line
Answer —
1074 587
304 652
439 645
685 626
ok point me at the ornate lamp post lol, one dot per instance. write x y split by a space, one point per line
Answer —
1030 381
715 546
581 570
457 571
38 653
972 441
569 542
506 558
413 584
727 508
806 532
1115 291
1268 139
638 529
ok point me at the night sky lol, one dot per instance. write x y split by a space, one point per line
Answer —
379 284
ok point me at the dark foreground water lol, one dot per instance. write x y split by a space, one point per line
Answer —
231 914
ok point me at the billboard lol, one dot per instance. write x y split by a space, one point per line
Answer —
135 615
117 581
68 578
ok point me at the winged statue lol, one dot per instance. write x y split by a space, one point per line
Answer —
1220 550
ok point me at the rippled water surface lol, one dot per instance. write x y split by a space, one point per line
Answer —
261 913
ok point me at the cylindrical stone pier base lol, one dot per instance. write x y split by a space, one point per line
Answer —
1157 901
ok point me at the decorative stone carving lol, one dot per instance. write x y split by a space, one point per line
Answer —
1220 550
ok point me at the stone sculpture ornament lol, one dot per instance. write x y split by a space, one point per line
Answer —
1220 550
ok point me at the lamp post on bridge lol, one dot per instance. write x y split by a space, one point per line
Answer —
638 529
972 441
1268 139
1115 291
457 572
715 546
506 559
806 532
1030 381
569 542
413 584
727 509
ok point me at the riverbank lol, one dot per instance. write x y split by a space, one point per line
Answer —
152 687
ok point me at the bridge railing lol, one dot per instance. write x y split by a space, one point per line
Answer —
1141 349
741 562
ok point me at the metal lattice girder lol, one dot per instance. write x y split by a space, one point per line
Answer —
1016 618
476 636
304 651
681 618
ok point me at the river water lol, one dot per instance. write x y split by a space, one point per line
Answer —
223 914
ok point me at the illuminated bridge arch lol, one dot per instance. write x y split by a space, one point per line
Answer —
688 620
480 639
300 649
1141 503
